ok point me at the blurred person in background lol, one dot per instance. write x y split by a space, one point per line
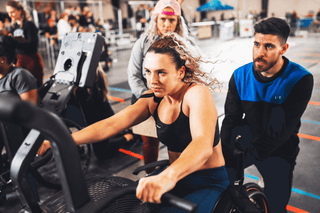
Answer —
73 23
53 16
83 20
263 14
3 30
99 27
222 17
7 24
91 28
77 12
69 9
63 26
26 33
318 16
90 18
141 19
51 32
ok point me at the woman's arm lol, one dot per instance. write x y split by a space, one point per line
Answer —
101 130
203 117
25 85
30 96
115 124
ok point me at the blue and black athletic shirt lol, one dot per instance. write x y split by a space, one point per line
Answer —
271 107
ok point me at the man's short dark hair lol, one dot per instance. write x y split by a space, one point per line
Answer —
274 26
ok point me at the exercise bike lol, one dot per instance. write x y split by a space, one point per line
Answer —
102 194
75 68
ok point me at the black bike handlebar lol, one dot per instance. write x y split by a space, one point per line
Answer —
180 203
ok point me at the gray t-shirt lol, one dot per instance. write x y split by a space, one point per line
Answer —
17 81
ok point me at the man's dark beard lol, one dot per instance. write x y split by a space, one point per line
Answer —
268 65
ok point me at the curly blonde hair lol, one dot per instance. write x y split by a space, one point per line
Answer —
184 53
152 31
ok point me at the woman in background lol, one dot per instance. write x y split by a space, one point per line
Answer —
26 33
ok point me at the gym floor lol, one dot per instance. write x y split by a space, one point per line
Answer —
230 54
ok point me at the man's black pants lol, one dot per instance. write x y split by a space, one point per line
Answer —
277 175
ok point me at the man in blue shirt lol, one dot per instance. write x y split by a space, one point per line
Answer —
265 102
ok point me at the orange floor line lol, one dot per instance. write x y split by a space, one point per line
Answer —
131 153
296 210
315 138
116 99
314 103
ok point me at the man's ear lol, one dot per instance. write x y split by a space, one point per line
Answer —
284 49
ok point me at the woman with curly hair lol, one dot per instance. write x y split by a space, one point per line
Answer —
25 31
186 120
166 18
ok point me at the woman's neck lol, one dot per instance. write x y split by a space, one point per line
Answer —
178 94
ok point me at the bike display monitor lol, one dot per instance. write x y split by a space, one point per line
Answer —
78 58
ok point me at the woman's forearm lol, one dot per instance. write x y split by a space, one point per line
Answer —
96 132
191 159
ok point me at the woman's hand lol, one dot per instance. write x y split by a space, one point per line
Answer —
151 189
44 147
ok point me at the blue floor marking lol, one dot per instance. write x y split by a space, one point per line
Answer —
299 191
313 122
119 89
251 176
305 193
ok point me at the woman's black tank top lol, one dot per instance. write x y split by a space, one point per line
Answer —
176 136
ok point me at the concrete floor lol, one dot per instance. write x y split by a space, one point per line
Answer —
229 55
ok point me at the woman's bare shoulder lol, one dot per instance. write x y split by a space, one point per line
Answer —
198 94
198 90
